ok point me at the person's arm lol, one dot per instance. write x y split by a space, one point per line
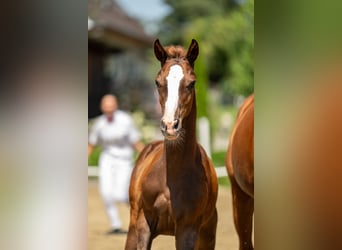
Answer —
90 149
93 137
138 146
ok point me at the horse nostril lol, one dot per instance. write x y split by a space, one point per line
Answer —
176 124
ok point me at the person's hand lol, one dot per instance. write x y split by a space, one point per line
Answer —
139 146
90 149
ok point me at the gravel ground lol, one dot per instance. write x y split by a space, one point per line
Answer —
226 237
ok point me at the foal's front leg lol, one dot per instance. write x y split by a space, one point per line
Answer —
207 235
186 237
143 233
139 234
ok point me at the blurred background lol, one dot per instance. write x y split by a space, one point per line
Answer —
46 49
121 59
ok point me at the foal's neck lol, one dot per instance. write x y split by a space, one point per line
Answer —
180 153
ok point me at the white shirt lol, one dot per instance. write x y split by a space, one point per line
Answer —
117 137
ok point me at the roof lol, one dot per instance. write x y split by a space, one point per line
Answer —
111 26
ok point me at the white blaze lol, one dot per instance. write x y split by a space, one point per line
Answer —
173 81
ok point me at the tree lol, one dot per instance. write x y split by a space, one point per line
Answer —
185 12
225 31
228 42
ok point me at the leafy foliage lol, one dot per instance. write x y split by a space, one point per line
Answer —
225 31
201 87
186 11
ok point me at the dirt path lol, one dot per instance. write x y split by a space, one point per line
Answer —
226 237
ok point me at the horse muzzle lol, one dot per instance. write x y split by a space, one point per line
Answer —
170 128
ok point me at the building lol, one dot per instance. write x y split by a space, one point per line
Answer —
112 36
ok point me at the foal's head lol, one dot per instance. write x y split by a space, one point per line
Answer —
176 85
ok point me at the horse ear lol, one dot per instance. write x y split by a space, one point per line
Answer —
160 52
192 52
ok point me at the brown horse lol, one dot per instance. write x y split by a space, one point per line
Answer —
173 187
240 166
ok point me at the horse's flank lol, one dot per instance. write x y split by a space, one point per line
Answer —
240 166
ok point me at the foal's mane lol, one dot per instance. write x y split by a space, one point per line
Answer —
176 52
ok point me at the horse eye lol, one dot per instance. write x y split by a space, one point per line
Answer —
191 85
157 84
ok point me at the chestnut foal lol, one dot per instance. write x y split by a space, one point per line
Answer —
174 187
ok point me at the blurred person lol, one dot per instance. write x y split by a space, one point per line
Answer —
114 131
